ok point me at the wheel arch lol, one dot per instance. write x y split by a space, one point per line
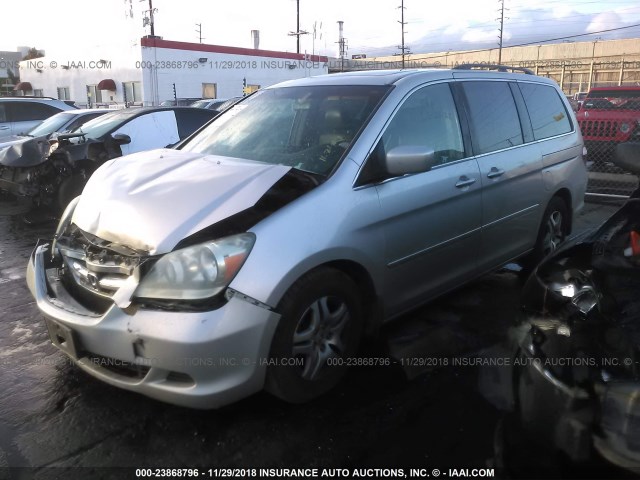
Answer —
372 309
371 304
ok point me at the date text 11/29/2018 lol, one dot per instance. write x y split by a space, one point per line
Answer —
227 64
304 473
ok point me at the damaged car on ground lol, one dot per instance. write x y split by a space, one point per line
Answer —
576 382
259 252
53 169
35 143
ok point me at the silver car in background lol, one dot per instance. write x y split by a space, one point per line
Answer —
258 253
20 114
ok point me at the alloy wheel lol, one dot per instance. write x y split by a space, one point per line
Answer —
319 335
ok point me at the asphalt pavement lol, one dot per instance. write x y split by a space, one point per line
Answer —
434 411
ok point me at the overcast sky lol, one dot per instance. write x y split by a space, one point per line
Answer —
64 27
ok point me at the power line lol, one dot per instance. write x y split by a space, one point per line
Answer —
576 36
543 23
534 43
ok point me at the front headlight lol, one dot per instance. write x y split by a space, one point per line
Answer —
198 272
53 146
64 222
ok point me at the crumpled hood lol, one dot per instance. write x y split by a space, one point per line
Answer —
24 151
151 200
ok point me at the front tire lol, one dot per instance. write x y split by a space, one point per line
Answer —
69 189
319 329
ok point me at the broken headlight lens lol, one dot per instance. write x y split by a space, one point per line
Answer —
63 224
198 272
577 286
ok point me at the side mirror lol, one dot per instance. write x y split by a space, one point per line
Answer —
121 139
408 159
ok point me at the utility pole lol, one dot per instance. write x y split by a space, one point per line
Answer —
297 26
342 44
150 21
501 31
199 30
403 49
315 35
297 33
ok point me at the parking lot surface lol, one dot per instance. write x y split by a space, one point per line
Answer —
429 408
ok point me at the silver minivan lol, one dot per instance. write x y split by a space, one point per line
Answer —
258 253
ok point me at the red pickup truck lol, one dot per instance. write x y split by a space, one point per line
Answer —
608 116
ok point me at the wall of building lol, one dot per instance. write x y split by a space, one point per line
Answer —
576 66
76 73
191 65
155 65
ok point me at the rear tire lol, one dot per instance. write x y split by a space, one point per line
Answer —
552 233
320 328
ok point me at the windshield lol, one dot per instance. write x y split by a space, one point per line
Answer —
613 100
308 128
98 127
51 124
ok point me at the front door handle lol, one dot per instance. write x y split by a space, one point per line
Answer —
465 181
4 127
495 172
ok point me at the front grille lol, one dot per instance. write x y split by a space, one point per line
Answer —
95 269
599 128
100 278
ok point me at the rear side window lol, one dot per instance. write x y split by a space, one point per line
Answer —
3 116
28 111
546 111
494 118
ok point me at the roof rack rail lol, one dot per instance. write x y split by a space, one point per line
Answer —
490 66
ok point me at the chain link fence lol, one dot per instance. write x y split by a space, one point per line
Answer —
607 117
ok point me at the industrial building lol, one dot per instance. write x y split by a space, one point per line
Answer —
156 70
576 66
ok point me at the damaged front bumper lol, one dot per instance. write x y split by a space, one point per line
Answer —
18 183
194 359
